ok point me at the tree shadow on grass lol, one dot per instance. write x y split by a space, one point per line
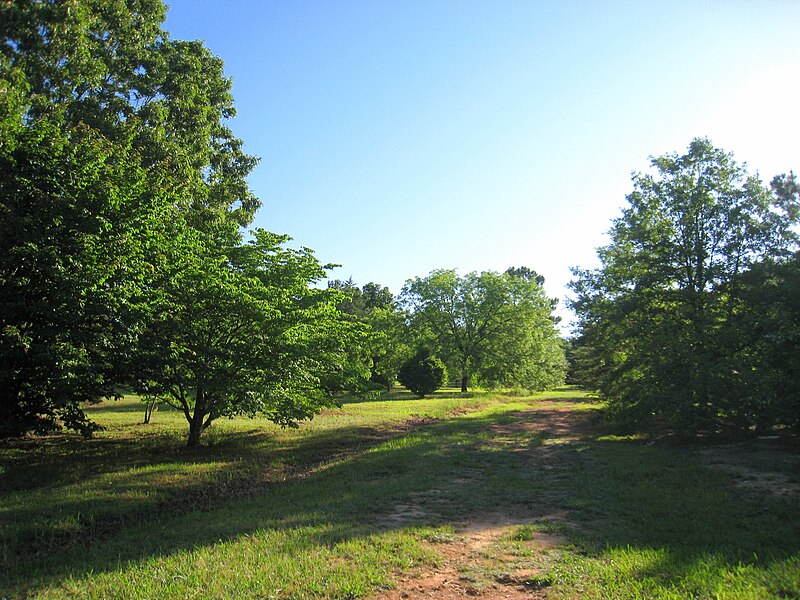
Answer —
618 494
67 492
659 518
401 393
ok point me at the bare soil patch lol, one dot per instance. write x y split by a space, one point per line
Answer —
474 566
552 419
755 468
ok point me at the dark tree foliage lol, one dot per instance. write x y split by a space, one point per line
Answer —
360 302
764 382
525 273
72 206
423 373
113 142
662 322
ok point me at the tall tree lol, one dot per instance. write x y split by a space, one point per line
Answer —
114 139
498 327
75 221
109 65
654 318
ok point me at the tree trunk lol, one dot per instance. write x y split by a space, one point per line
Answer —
150 406
195 429
196 424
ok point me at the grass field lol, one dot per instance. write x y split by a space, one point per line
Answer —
512 495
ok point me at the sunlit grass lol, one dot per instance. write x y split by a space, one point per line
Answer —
318 512
636 572
61 491
301 562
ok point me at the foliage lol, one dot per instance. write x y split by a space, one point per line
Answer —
244 334
114 141
525 273
658 320
74 218
423 373
766 360
498 327
360 302
388 345
109 65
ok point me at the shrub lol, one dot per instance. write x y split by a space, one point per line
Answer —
423 373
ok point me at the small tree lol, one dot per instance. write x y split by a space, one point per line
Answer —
423 373
245 334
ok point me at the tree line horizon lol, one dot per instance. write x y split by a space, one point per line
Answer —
123 207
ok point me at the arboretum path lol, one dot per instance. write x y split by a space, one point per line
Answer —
479 561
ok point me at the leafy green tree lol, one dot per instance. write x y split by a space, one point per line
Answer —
114 140
528 351
387 346
245 334
423 373
657 318
498 327
376 296
763 389
74 216
359 302
109 65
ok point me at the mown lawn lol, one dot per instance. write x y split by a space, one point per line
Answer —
318 512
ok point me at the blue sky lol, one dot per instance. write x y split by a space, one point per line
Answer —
400 137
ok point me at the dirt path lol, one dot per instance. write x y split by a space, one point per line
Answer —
479 561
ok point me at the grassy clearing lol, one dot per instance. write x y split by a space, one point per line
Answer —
341 506
64 490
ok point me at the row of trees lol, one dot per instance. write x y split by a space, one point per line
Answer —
122 261
693 318
493 329
123 264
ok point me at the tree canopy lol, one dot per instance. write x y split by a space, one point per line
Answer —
658 319
245 334
114 140
123 195
75 218
498 327
387 345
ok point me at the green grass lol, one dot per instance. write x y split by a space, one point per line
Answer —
660 522
341 506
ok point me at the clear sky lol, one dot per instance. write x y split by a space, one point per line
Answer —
400 137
